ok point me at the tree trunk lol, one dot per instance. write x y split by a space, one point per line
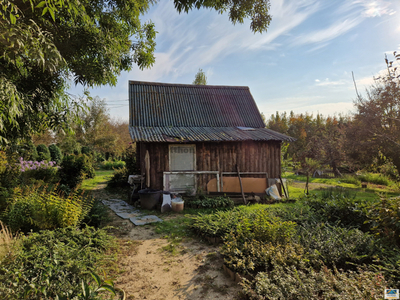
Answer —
335 170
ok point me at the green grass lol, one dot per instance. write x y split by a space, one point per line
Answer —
296 186
102 177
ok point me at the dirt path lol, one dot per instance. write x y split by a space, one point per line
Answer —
154 268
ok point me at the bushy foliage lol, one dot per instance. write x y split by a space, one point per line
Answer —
350 179
55 153
338 209
292 284
52 263
259 242
43 152
97 216
218 224
336 246
384 218
75 168
130 160
37 208
209 202
110 164
9 170
28 151
119 178
86 150
32 171
375 178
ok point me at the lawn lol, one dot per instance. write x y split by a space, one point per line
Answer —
296 186
100 180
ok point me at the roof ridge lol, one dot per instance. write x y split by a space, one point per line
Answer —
186 85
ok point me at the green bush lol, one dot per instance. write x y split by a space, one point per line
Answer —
28 151
375 178
338 209
350 179
111 165
336 246
209 202
37 208
290 283
97 216
53 263
119 178
43 152
75 168
259 242
86 150
55 153
219 223
130 160
384 218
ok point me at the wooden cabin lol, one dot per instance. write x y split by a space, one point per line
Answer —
192 138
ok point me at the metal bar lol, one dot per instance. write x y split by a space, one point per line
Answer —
191 172
218 188
245 173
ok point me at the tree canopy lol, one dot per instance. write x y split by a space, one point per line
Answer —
44 43
200 78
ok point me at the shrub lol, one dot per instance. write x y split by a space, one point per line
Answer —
219 223
209 202
350 179
119 178
253 256
375 178
43 152
291 284
28 151
130 160
259 242
86 150
338 209
384 218
8 241
37 208
110 165
38 170
336 246
74 169
53 263
55 153
9 170
97 216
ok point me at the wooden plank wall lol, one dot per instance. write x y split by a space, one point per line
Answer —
251 156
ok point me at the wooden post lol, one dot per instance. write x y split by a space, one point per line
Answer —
284 190
241 186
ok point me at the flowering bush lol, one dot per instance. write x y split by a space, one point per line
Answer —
27 165
38 170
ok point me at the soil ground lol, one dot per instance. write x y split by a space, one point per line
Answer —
155 268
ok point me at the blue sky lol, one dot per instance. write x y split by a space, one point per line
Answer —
304 62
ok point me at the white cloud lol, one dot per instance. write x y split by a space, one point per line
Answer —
327 82
333 31
377 8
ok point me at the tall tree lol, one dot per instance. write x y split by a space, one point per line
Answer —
377 118
200 78
45 42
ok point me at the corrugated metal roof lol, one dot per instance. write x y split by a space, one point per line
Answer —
186 105
204 134
160 112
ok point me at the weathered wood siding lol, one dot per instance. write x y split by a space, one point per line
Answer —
250 156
